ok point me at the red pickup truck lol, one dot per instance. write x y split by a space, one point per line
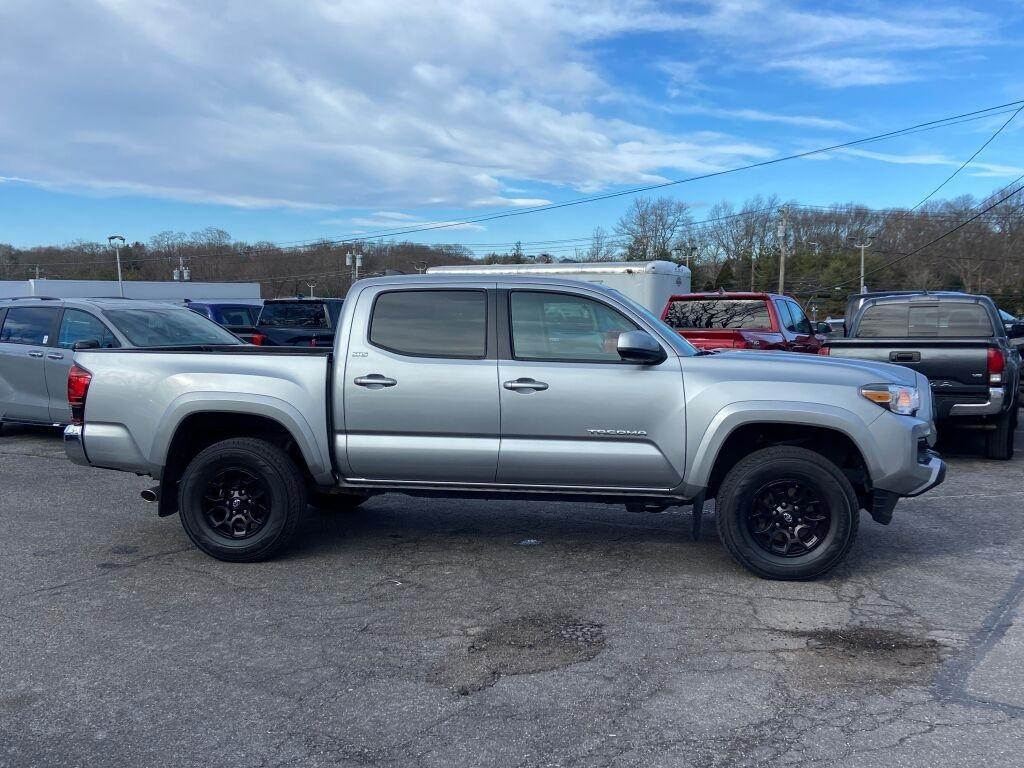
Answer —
742 321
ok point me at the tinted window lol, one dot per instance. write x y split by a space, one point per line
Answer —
78 326
169 327
236 316
916 321
800 322
304 314
431 323
718 313
785 316
556 326
28 325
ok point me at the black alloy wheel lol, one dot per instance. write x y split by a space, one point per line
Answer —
236 503
788 518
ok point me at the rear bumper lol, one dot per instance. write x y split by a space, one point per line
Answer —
992 406
74 444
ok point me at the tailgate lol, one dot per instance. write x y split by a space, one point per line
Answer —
710 338
952 366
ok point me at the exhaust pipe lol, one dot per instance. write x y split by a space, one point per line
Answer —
151 494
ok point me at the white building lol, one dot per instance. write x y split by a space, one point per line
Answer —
165 290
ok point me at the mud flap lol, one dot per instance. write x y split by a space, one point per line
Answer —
882 505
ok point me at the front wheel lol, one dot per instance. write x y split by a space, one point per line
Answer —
787 513
240 500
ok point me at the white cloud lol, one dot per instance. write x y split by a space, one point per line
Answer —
976 168
846 71
370 104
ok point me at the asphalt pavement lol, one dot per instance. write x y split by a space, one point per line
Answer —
418 632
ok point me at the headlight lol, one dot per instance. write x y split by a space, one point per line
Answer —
898 399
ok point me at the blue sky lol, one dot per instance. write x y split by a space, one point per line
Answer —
284 122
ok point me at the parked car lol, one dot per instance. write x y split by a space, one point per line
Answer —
240 319
501 387
297 323
743 321
39 338
959 342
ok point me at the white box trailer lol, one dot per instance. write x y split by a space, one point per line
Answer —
150 290
650 283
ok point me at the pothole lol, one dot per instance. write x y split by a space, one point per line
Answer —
863 657
521 646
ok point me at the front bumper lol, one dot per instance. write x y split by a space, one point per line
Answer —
936 469
74 445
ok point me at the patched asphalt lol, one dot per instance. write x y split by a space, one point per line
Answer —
418 632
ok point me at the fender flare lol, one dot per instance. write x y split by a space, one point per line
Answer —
735 415
273 408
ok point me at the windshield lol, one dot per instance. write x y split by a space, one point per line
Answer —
718 313
170 327
681 345
306 314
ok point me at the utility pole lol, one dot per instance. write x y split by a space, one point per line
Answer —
354 260
863 247
783 246
113 240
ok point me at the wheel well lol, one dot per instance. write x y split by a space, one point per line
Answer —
834 445
199 431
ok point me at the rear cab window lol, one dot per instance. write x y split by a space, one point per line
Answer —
29 325
714 313
431 323
236 316
938 320
296 314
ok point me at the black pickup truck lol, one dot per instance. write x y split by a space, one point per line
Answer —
297 323
957 340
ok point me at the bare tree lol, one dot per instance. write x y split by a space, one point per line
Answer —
650 229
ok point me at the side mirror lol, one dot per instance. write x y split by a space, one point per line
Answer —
823 328
1015 331
86 344
640 347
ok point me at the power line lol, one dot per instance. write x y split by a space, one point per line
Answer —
943 236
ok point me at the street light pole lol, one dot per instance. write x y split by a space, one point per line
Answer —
863 247
112 240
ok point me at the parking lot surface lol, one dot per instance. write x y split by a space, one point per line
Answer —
418 632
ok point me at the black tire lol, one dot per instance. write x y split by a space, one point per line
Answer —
999 442
758 474
281 491
336 502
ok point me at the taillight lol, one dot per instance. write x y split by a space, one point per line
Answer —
258 339
78 388
996 363
739 344
823 351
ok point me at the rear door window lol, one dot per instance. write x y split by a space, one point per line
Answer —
299 314
718 313
29 325
77 326
431 323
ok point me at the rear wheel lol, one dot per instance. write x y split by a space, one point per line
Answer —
999 442
240 500
787 513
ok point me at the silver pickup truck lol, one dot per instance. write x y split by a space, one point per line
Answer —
536 388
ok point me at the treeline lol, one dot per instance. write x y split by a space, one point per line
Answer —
729 247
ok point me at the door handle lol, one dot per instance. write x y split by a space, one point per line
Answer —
55 356
525 385
374 381
35 353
